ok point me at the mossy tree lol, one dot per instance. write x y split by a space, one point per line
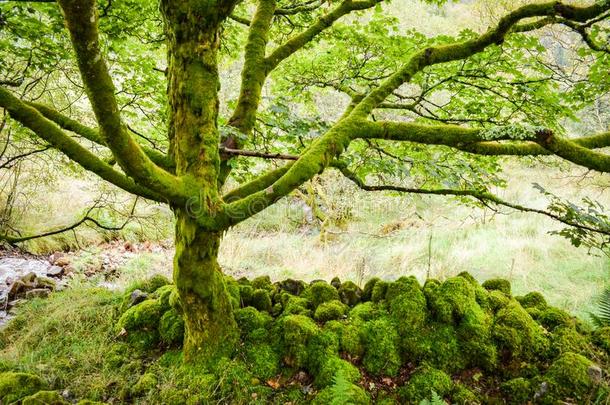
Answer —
191 177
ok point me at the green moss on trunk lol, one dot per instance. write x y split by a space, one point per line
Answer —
210 328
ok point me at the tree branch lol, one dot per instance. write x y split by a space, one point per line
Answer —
93 135
47 130
483 196
81 20
447 53
86 218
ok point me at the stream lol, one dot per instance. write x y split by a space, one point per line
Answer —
13 269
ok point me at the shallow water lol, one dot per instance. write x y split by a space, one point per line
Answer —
12 268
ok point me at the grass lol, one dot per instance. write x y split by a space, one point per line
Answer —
386 236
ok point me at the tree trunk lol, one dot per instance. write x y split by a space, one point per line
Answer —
192 29
210 328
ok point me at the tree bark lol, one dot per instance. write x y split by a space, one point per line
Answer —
193 40
210 329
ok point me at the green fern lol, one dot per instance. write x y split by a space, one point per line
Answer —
340 389
435 399
601 317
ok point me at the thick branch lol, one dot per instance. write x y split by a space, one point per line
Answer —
251 153
299 41
81 19
447 53
47 130
94 136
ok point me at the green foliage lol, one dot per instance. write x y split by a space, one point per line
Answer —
85 357
342 391
46 398
601 318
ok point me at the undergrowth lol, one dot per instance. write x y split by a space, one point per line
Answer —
391 342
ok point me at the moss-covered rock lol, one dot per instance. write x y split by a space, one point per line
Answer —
382 356
440 347
406 305
423 383
254 325
498 284
350 294
566 339
365 311
379 291
552 318
321 347
331 367
149 285
294 287
163 295
146 383
352 339
517 391
570 377
497 300
601 338
171 328
367 291
245 294
450 300
263 359
342 394
15 386
261 300
296 332
297 306
517 334
44 398
532 300
263 282
461 395
330 310
139 323
319 292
